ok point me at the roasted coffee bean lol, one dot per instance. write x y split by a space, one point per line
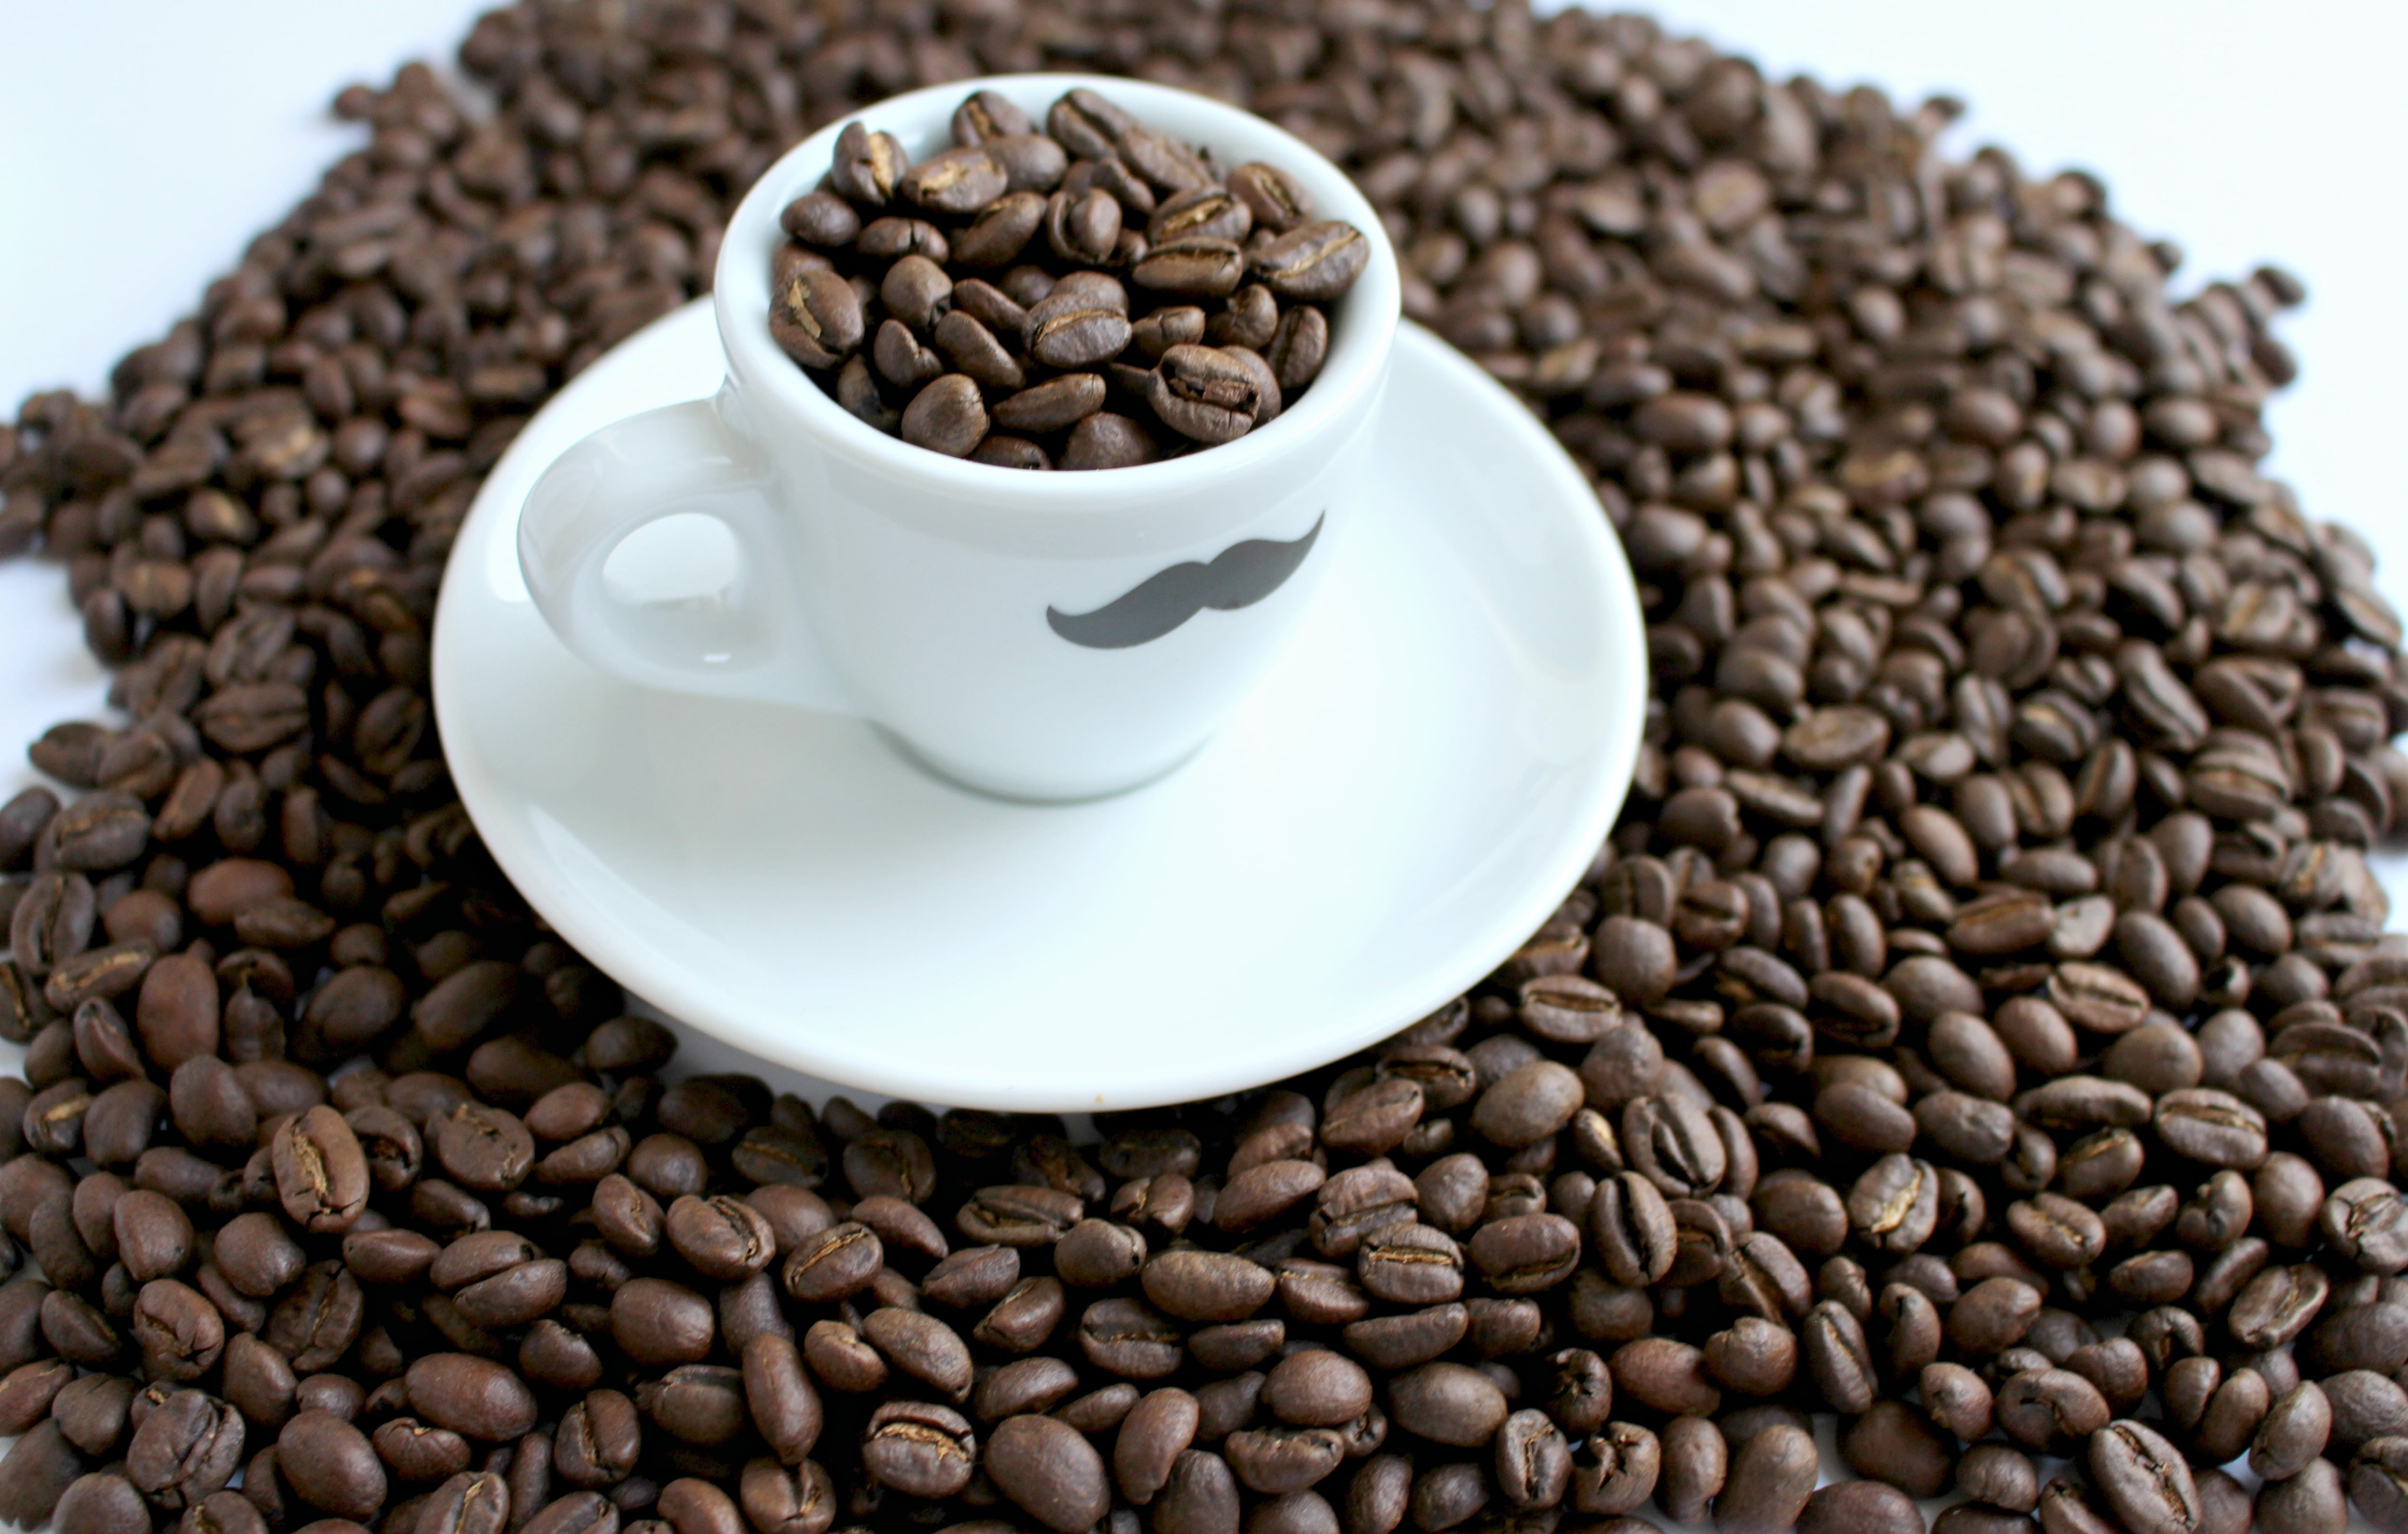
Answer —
2378 1482
2367 1221
721 1238
1695 1462
188 1446
923 1347
321 1176
692 1506
2314 1502
101 1503
1033 1385
1411 1264
1616 1469
2046 1410
1204 392
920 1449
1050 1471
2355 1336
2002 1477
597 1441
1157 1431
1316 261
1207 1287
1056 403
473 1397
2295 1430
697 1404
331 1465
1859 1507
1277 200
1020 1215
772 1497
35 1474
2364 1406
2143 1479
1120 1337
660 1322
1317 1389
1772 1478
816 318
1993 1315
1957 1399
1668 1375
1447 1403
955 182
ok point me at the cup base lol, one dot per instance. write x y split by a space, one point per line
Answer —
1015 792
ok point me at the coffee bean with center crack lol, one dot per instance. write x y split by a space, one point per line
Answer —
1204 393
188 1446
2143 1479
919 1449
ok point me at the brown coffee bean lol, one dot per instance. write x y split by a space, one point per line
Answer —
101 1503
2295 1430
2004 1478
1957 1398
947 416
1119 1336
2312 1501
330 1464
185 1448
1665 1374
2367 1223
2378 1480
1052 405
957 181
1075 330
816 318
1772 1479
1993 1315
1106 441
869 166
919 1449
2143 1479
2045 1410
1866 1505
1447 1403
473 1397
1204 393
1316 262
1049 1470
1197 1285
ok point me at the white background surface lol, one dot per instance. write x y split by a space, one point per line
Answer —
143 141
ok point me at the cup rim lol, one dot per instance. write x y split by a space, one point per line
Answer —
1363 323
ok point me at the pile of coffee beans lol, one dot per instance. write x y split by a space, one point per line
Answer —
882 291
1979 1027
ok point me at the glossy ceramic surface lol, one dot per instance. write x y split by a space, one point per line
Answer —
1415 786
912 589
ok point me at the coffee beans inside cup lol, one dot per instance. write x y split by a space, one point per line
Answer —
1083 293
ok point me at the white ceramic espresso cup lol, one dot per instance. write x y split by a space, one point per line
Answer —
942 600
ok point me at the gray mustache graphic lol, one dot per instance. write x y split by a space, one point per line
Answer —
1239 576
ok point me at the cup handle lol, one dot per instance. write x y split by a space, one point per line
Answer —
746 641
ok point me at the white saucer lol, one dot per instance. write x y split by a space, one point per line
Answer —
1420 782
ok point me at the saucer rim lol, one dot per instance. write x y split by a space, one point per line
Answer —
649 971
